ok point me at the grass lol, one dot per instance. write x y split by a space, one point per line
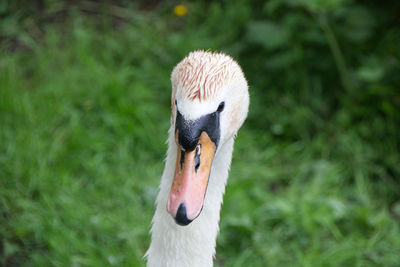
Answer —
84 114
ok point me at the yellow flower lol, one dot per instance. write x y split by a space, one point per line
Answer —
180 10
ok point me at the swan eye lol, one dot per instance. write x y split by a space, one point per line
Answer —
221 106
176 103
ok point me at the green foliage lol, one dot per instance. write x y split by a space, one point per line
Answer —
84 114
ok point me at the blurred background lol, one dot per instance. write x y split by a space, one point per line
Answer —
85 109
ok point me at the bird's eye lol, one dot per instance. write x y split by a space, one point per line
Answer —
221 106
176 103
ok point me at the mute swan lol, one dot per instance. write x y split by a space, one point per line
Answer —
210 102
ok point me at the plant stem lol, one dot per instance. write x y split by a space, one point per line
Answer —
336 51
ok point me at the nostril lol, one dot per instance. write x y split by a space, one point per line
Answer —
181 217
196 163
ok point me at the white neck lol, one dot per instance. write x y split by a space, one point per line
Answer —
192 245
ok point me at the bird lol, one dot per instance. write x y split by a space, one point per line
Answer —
209 103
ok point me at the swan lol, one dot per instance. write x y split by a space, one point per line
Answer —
209 103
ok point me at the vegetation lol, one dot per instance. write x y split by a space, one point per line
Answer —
84 114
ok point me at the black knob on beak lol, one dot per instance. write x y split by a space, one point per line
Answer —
181 217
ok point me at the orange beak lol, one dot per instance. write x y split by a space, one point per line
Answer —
192 171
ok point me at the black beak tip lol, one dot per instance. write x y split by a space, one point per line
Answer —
181 217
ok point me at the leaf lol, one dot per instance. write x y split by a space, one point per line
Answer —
267 34
359 23
371 71
319 5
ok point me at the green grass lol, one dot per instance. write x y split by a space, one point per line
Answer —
84 114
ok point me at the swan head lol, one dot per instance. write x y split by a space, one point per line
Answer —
210 102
